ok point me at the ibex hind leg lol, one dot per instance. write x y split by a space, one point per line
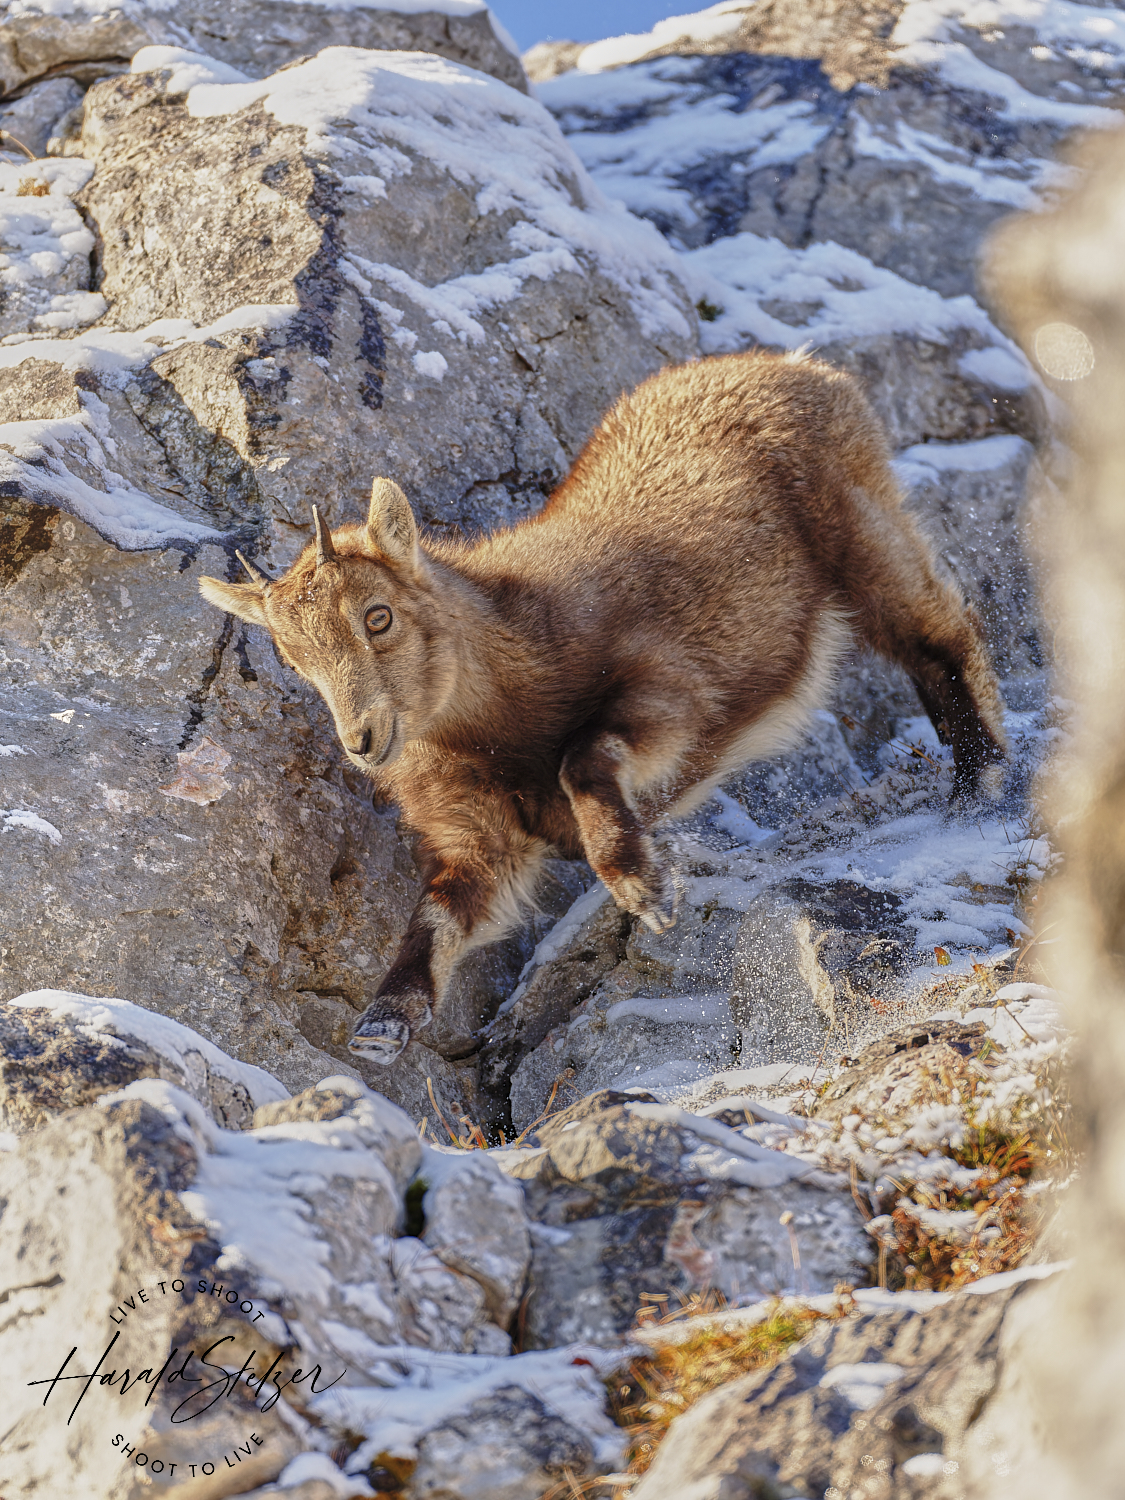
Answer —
946 690
906 611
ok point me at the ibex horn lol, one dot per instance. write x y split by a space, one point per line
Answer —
259 575
325 552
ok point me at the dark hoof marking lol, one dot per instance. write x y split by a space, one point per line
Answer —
659 919
380 1041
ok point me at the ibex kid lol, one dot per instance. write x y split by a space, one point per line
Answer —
678 607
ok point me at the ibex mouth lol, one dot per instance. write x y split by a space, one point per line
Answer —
388 751
363 754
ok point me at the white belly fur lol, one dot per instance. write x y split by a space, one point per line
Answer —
782 725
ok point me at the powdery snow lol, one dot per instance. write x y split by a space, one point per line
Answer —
402 106
709 25
1023 185
185 69
43 238
435 1386
832 294
862 1386
640 131
1090 35
925 461
678 1009
933 34
40 456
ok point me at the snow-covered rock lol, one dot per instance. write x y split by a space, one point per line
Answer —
61 1051
104 1262
89 38
622 1191
260 263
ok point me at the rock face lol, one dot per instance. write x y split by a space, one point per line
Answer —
257 36
119 1173
507 1446
806 956
287 1241
881 1084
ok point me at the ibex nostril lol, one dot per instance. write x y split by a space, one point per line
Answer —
363 747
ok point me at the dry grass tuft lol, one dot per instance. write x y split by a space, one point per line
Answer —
659 1386
1005 1155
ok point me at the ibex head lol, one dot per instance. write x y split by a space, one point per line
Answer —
356 616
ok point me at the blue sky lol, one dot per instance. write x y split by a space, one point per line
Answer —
584 20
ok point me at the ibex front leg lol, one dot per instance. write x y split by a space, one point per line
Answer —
595 774
472 894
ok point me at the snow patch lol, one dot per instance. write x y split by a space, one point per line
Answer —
710 25
31 821
425 1388
431 364
862 1386
185 69
828 294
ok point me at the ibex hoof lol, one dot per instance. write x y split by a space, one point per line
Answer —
658 921
380 1041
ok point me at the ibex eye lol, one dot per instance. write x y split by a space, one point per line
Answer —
378 619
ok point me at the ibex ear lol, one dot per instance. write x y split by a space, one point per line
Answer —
246 600
391 527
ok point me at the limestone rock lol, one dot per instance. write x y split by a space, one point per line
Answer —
616 1044
548 59
566 968
225 915
476 1224
256 36
261 36
506 1446
627 1194
886 1397
36 114
911 172
59 1052
314 1200
375 1122
346 267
